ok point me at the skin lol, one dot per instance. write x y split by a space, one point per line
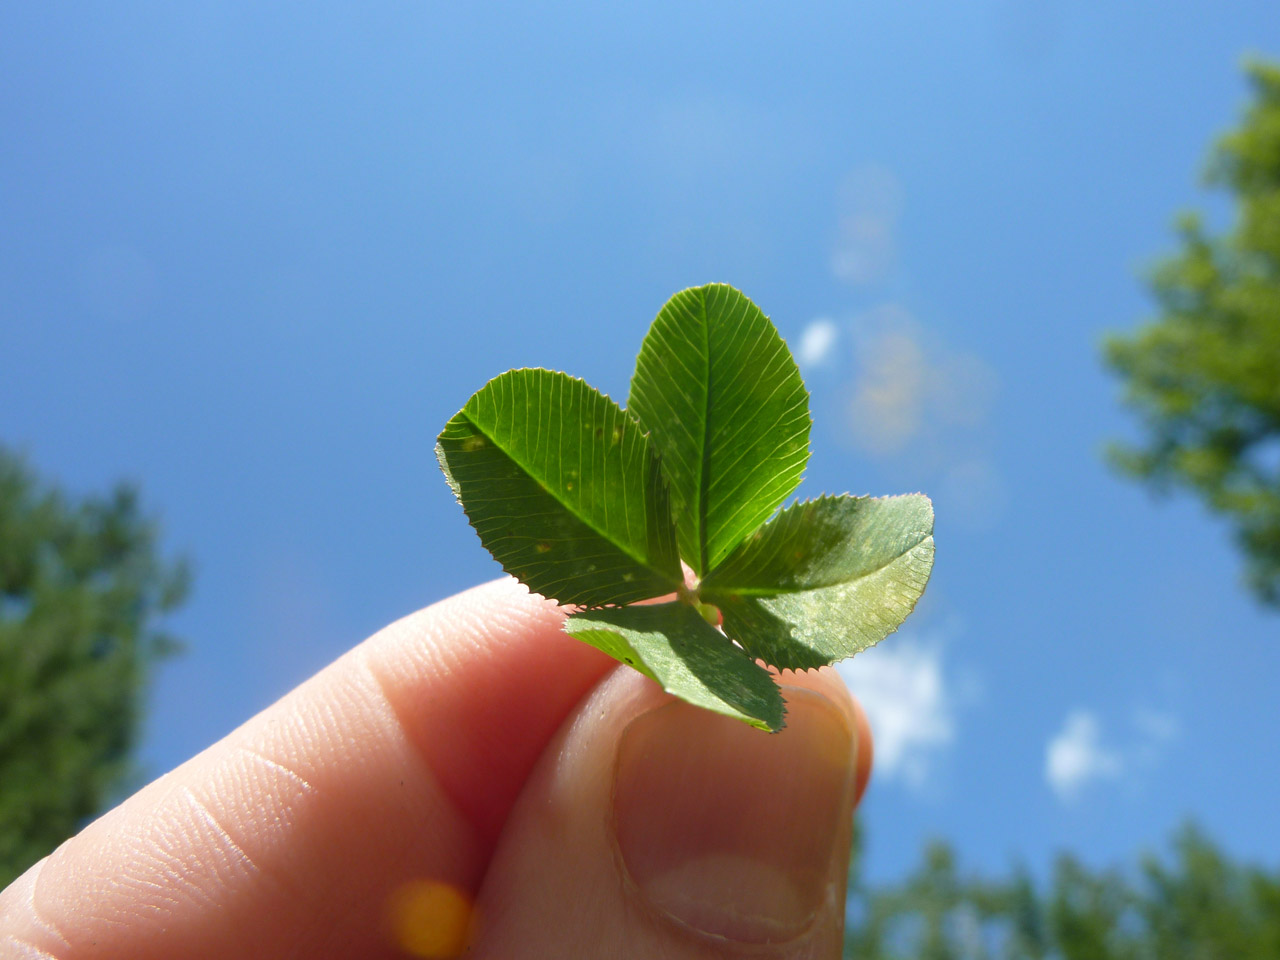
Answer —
461 767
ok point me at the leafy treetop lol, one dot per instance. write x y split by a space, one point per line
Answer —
1205 374
81 586
1193 904
597 506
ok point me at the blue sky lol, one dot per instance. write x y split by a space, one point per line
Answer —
253 257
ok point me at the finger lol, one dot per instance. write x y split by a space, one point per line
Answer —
393 766
653 828
866 751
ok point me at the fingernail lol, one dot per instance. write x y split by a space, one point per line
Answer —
730 831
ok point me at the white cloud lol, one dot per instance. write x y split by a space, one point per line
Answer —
888 405
870 202
816 343
1076 756
908 700
911 389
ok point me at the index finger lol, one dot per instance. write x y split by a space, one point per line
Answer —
397 763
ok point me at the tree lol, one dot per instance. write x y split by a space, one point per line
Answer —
1204 375
81 587
1195 904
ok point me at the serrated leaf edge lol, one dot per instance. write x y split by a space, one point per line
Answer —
758 592
555 495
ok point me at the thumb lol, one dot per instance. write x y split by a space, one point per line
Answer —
654 828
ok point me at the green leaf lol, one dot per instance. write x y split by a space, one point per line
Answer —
672 644
563 488
825 578
722 398
593 505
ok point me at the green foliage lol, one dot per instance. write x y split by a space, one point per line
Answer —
563 488
80 588
1195 905
718 391
593 505
682 651
1205 374
825 579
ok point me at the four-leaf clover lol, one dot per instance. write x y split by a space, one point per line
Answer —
597 506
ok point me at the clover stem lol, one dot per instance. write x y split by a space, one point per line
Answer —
688 593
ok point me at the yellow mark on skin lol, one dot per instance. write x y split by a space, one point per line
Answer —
429 918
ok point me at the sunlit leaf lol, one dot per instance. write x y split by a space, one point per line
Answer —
563 488
826 578
672 644
724 402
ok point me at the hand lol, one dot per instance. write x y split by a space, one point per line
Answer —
470 777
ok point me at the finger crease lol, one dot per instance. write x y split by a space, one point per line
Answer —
224 837
278 767
45 924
